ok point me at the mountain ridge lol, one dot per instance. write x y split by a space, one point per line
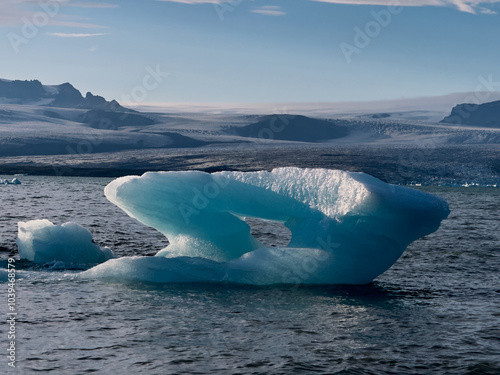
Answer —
485 115
64 95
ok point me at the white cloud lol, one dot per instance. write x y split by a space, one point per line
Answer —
66 35
93 5
16 12
486 11
269 10
468 6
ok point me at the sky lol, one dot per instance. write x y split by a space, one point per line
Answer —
253 51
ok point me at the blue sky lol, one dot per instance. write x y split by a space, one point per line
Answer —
253 51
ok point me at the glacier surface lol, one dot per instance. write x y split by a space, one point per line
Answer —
347 228
41 241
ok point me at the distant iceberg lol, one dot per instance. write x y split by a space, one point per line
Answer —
14 181
347 228
40 241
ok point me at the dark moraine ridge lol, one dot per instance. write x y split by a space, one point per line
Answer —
293 128
484 115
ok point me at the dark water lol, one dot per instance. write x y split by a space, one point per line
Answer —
436 311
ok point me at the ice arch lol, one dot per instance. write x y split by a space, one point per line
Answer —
352 225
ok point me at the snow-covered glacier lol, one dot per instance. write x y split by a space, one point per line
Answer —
347 228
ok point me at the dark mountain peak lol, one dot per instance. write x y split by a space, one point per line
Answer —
19 91
94 101
483 115
67 96
113 105
64 95
68 88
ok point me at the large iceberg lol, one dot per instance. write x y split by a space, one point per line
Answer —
347 228
40 241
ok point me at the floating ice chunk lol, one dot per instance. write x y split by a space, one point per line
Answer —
351 226
14 181
40 241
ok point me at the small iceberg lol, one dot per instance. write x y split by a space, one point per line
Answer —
41 241
14 181
347 228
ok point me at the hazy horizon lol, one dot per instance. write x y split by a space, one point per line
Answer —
220 51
